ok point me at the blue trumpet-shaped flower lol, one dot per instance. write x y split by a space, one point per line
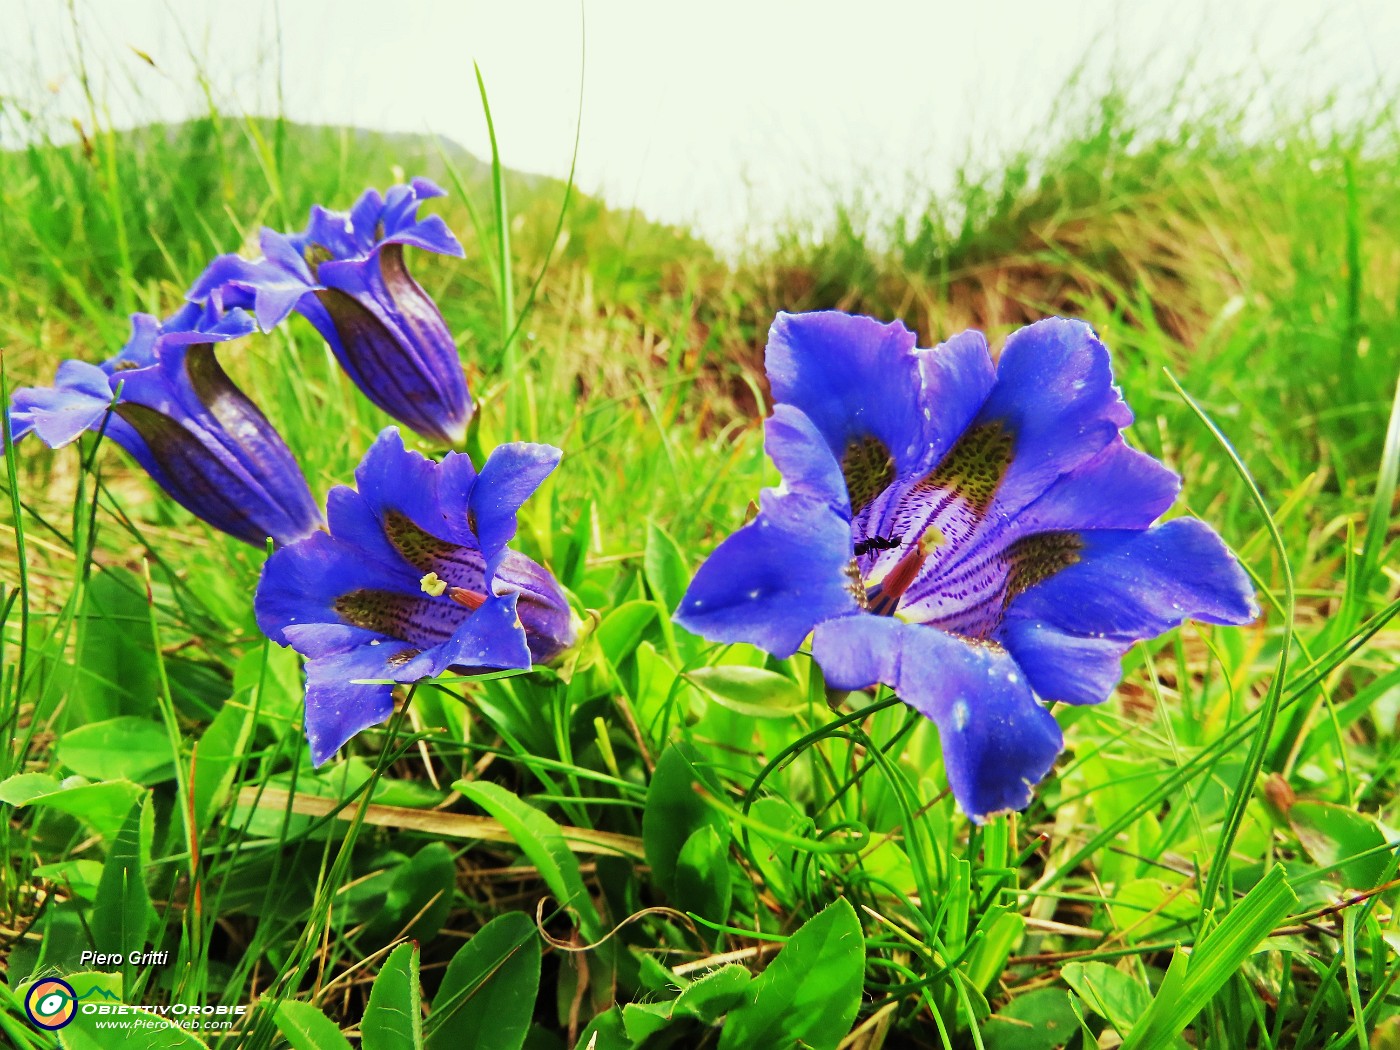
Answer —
345 273
166 400
413 578
978 538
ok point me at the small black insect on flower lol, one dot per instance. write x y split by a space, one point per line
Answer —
877 543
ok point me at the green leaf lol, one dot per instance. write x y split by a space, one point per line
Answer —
1000 935
665 566
1148 910
540 839
753 691
811 990
155 1033
394 1014
703 881
675 811
641 1020
220 751
715 994
605 1032
621 630
421 886
1109 992
307 1028
488 992
116 671
1333 834
1039 1020
122 914
1193 978
103 807
125 748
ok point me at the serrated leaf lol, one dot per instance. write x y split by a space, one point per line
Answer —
754 691
811 990
714 995
488 993
394 1015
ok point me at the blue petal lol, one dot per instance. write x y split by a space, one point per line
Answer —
853 377
78 401
491 638
775 579
1068 631
998 742
510 476
803 458
301 581
1054 394
1119 488
336 709
392 477
212 449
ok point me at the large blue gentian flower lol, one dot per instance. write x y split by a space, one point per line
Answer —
413 578
978 538
345 273
166 400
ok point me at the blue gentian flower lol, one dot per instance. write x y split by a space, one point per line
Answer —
978 538
413 578
166 400
345 273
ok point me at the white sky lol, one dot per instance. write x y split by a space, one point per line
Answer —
725 114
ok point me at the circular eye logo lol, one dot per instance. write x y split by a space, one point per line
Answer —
50 1003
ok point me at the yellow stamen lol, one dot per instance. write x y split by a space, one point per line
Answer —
432 586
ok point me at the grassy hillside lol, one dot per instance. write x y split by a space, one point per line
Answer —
1235 797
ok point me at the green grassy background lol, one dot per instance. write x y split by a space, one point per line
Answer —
1212 861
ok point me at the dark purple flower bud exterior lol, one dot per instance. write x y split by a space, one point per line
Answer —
166 400
346 274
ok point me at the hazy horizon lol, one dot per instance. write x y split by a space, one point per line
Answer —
730 124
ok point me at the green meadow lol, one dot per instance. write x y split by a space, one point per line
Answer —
660 842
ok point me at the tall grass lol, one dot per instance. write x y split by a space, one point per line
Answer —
1214 853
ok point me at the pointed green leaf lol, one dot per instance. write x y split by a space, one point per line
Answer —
753 691
703 881
122 915
811 990
540 839
675 810
488 992
1195 975
394 1015
307 1028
